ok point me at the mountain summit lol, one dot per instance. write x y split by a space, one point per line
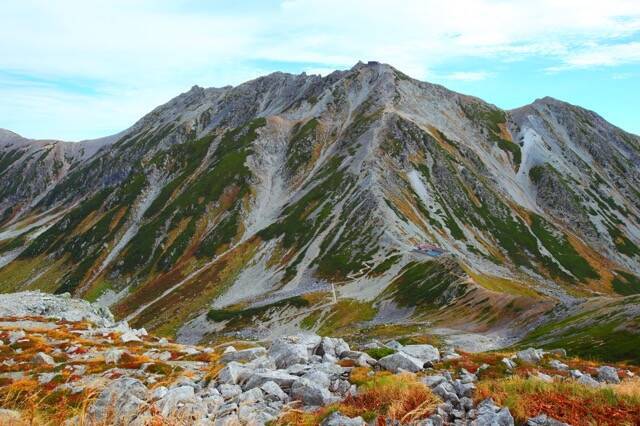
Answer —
334 204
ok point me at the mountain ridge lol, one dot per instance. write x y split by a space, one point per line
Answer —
265 196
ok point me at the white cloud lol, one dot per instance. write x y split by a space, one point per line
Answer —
141 51
605 55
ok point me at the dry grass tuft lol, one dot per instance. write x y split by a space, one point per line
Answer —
401 398
566 401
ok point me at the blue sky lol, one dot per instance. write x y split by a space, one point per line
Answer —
79 69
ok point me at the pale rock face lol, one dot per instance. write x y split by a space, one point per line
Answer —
424 353
401 361
608 374
126 397
42 358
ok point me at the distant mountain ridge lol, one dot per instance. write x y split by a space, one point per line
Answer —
253 201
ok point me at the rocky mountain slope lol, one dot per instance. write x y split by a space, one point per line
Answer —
65 361
242 209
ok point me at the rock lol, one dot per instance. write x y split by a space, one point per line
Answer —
35 303
45 378
14 336
341 387
113 355
123 398
531 355
576 374
281 378
435 420
159 393
433 381
337 419
393 344
252 395
587 380
228 391
373 345
424 353
261 362
311 393
271 388
190 351
244 355
489 414
362 359
229 349
163 341
447 392
232 373
467 377
286 354
509 363
554 363
544 377
400 361
466 403
544 420
464 389
608 374
129 336
256 414
42 359
180 395
319 378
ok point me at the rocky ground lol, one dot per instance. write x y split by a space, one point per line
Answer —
64 361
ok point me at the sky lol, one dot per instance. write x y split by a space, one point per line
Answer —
81 69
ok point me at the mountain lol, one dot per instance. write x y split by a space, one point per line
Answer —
242 209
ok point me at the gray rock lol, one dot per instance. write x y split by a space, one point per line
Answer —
244 355
233 373
464 389
272 389
544 420
337 419
159 393
433 381
394 344
228 391
14 336
42 359
587 380
489 414
113 355
256 414
531 355
576 374
447 392
169 403
509 363
544 377
554 363
311 393
123 399
281 378
285 354
261 362
45 378
400 361
319 378
252 395
608 374
425 353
